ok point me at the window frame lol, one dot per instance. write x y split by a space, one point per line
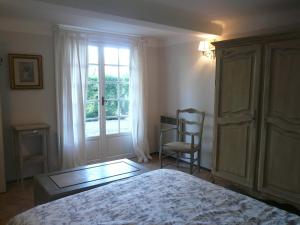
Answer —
102 118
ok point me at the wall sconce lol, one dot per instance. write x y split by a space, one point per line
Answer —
207 49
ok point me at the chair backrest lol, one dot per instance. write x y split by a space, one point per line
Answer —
189 119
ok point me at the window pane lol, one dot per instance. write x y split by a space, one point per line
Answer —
111 108
124 73
93 71
124 56
93 54
92 128
92 91
111 90
124 108
124 90
112 125
124 124
111 56
92 110
111 73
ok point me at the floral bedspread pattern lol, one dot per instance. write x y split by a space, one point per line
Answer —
158 197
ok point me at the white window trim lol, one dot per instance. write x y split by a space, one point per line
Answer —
102 126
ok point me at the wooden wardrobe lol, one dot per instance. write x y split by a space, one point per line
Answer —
257 115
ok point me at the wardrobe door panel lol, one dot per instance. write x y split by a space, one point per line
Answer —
282 146
279 161
236 70
237 91
233 141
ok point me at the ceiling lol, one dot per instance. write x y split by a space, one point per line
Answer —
145 17
222 9
192 9
126 20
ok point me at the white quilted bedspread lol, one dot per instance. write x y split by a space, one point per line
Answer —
157 197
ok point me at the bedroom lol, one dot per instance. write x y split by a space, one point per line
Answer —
179 75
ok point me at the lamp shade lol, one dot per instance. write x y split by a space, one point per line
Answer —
203 46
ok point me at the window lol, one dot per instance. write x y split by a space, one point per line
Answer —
92 111
108 90
116 70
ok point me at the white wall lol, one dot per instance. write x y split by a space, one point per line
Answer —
27 106
153 89
188 81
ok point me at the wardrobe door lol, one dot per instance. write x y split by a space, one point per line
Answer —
237 91
279 160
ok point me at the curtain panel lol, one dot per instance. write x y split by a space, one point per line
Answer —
71 49
139 101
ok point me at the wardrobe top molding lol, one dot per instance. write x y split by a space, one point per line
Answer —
260 39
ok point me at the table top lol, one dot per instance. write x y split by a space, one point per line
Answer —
92 173
70 181
35 126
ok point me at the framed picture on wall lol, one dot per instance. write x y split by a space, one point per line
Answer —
25 71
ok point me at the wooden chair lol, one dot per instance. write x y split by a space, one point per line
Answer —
187 142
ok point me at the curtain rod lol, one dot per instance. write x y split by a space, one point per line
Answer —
95 31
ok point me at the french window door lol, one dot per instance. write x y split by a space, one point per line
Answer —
107 123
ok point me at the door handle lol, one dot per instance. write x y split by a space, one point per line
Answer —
103 101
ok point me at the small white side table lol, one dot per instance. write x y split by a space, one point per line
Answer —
23 155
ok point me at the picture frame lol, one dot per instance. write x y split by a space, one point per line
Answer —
25 71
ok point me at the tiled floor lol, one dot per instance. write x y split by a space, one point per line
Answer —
171 164
17 199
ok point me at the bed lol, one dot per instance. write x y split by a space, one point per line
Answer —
157 197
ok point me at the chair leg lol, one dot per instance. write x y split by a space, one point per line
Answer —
198 159
192 163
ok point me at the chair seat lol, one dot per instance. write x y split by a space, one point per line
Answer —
179 146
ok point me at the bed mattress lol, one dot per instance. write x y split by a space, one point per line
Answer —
157 197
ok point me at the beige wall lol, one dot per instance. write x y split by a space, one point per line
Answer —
188 81
27 106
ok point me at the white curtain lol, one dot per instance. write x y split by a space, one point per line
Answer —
138 102
71 49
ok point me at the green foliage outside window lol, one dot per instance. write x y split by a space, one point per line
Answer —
111 95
